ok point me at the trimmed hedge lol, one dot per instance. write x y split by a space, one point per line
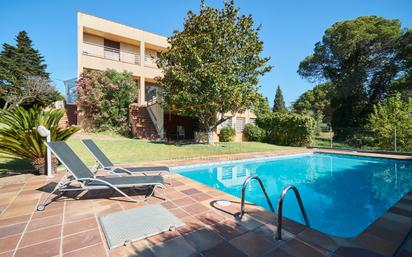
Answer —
226 134
288 128
253 133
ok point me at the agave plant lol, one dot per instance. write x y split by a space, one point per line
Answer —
19 137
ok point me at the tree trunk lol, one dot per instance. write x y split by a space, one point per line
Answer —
210 137
40 165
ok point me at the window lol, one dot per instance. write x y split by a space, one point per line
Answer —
152 91
111 50
240 124
227 123
252 121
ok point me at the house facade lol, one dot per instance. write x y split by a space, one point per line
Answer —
104 44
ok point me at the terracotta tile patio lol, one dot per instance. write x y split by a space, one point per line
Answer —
70 227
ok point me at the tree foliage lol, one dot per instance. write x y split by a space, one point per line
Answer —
104 98
393 113
279 103
213 65
253 133
227 134
37 90
316 102
361 57
19 137
17 64
261 106
403 84
288 128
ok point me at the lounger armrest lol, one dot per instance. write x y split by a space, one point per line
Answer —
121 168
101 181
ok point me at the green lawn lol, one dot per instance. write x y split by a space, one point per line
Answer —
322 142
124 150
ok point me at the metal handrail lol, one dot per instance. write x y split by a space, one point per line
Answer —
280 208
245 183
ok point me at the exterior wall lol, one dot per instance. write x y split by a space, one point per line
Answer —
135 54
247 115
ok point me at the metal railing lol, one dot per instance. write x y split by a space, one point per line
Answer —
280 208
242 206
110 53
395 139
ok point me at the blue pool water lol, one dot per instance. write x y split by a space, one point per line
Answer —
342 194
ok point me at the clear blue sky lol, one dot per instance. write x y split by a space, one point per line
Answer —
289 28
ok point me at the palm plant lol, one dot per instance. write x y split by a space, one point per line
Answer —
19 137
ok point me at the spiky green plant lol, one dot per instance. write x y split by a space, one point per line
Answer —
19 137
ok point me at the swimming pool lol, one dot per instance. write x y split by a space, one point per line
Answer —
342 194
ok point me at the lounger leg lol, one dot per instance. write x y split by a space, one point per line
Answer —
125 195
171 179
153 192
164 193
43 205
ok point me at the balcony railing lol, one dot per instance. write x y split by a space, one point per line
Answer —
110 53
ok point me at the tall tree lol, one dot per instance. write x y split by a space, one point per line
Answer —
17 64
316 102
279 102
360 57
213 65
262 106
403 85
31 59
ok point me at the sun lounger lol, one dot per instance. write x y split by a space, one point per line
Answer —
103 162
79 172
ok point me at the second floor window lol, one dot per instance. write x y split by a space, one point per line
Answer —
111 50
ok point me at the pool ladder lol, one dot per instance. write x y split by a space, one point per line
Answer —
280 203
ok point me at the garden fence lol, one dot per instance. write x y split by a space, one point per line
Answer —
392 140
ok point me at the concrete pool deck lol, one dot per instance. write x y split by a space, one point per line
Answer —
69 227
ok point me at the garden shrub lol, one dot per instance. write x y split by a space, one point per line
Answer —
104 98
393 113
227 134
20 139
253 133
288 128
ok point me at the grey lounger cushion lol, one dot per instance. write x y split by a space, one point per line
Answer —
128 181
147 169
137 223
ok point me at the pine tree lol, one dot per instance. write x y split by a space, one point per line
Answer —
17 63
279 102
31 59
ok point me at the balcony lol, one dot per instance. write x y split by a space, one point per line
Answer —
110 53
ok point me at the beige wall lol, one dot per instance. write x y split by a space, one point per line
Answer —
136 49
248 117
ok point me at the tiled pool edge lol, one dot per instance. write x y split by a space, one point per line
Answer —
249 159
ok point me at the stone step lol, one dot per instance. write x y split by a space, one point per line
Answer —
142 124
